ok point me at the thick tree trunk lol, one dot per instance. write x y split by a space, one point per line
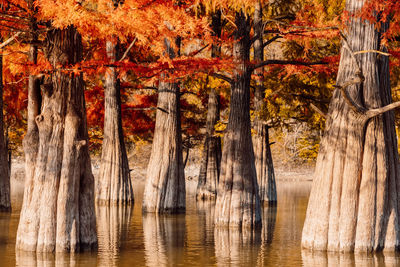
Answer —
211 158
5 201
354 198
262 149
58 211
238 202
165 185
165 190
113 186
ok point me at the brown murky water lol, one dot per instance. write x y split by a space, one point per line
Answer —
128 238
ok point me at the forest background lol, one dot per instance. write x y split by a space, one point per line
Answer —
296 99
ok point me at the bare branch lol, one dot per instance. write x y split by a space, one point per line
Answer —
346 45
273 39
128 49
194 53
285 62
354 106
372 51
378 111
9 40
222 77
314 107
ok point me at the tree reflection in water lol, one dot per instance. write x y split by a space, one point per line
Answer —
234 247
164 238
112 227
332 259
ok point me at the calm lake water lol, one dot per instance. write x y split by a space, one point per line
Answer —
128 238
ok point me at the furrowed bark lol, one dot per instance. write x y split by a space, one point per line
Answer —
58 210
211 158
262 149
238 202
211 161
5 201
165 182
114 185
354 199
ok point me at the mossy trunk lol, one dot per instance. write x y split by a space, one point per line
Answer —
5 200
354 203
58 208
262 148
238 202
211 157
114 185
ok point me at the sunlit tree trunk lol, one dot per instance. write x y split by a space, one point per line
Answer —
211 157
165 182
354 203
31 139
58 212
5 201
238 202
262 149
113 186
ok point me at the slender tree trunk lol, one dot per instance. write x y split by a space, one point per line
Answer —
238 202
58 212
5 201
165 183
211 158
211 161
31 139
113 185
354 199
262 149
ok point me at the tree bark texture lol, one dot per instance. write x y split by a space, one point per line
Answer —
114 185
354 199
165 190
262 149
238 202
5 200
211 158
31 139
58 208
